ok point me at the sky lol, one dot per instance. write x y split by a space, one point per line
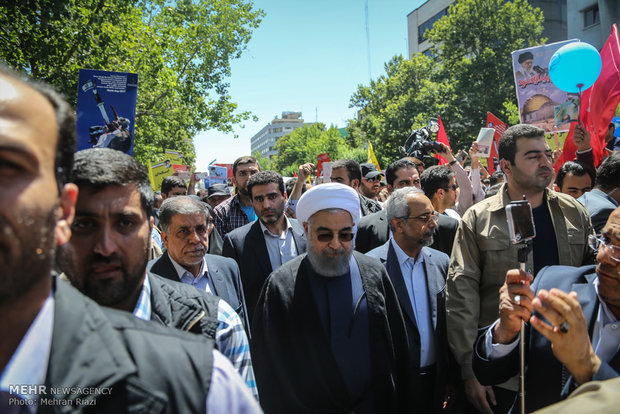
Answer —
307 56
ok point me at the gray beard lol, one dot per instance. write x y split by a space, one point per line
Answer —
329 266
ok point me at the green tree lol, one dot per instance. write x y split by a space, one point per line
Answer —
181 50
305 144
469 74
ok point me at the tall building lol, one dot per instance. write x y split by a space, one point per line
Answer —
265 140
423 18
591 20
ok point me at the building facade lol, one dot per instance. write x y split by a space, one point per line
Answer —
423 18
265 140
591 20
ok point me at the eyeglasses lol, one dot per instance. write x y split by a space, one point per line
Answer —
596 241
424 217
327 237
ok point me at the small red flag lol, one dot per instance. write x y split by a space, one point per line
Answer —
442 137
319 165
499 127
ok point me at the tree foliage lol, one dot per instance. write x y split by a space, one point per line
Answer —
181 50
305 144
469 74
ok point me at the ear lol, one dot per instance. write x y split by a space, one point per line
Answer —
506 166
397 225
306 228
164 239
66 213
355 183
390 189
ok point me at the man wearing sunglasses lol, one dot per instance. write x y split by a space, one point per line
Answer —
371 181
440 187
418 274
573 334
328 332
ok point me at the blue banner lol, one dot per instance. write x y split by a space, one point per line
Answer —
106 109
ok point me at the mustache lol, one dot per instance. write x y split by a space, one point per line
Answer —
339 250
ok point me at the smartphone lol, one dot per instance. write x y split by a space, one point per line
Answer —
520 221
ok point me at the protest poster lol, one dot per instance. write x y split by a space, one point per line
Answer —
159 171
485 142
218 175
537 96
176 157
106 109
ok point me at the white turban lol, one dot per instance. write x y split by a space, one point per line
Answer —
325 196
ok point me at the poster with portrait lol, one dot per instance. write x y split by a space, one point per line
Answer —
218 175
537 96
159 171
106 109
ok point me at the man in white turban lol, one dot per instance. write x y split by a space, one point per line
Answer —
328 333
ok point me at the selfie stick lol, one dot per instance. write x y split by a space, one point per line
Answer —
522 256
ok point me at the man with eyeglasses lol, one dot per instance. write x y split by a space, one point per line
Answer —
371 181
328 332
440 187
573 332
483 253
418 274
373 230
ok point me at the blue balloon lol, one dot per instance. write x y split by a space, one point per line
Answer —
575 64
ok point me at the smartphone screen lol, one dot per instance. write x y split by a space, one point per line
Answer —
520 221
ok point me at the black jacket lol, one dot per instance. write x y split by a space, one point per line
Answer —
149 368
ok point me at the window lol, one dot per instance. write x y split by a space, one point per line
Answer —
427 25
591 16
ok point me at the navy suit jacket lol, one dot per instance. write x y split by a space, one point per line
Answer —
547 381
224 275
246 245
436 267
599 206
373 230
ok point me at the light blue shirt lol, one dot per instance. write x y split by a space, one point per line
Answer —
414 277
202 281
281 248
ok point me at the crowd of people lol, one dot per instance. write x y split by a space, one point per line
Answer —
376 292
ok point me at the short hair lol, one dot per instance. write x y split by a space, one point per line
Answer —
492 190
99 168
434 178
266 177
246 159
170 182
180 205
507 147
390 172
65 124
396 205
576 168
608 173
354 171
495 177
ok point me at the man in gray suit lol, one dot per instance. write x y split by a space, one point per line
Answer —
418 274
184 222
261 247
605 196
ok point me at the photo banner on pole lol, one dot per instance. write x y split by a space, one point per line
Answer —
537 96
106 109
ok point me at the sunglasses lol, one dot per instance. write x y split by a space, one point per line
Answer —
327 237
372 180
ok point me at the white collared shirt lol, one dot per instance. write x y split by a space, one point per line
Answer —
281 248
202 281
28 364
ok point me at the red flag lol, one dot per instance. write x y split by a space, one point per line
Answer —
499 127
295 174
599 103
442 137
569 150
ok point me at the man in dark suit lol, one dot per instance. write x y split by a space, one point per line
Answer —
605 196
184 223
373 230
261 247
329 332
418 274
572 337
